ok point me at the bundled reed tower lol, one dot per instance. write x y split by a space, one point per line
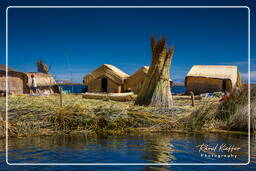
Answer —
42 67
155 90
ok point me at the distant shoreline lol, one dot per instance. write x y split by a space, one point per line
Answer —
70 84
174 84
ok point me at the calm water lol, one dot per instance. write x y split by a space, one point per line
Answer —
73 88
79 88
178 89
153 148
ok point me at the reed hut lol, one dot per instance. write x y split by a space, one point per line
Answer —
107 78
212 78
20 82
45 82
135 81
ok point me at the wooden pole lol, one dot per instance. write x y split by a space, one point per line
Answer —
192 98
61 96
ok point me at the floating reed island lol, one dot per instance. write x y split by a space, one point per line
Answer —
42 115
118 103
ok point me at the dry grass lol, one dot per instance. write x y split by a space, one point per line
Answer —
37 115
231 114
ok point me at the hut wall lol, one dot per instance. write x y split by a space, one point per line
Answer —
206 85
134 83
2 83
239 82
15 84
45 82
112 87
95 86
134 86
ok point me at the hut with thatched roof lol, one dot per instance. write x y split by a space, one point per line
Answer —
45 82
107 78
21 82
135 81
212 78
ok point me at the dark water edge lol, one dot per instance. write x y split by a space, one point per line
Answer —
152 148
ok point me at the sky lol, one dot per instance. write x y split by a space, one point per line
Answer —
78 41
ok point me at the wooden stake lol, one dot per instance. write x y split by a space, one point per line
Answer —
192 98
61 98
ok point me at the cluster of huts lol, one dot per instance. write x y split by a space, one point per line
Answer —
200 79
109 79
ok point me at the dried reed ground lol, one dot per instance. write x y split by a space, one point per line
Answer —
231 114
41 115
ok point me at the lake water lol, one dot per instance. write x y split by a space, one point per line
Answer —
151 148
79 88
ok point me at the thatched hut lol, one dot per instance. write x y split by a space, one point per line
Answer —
45 82
107 78
20 82
135 81
212 78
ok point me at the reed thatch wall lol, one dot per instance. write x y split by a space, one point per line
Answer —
135 81
212 78
15 82
44 82
115 79
42 79
112 87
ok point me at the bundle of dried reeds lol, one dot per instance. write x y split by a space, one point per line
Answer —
155 90
42 67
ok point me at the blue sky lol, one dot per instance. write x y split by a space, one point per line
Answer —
80 40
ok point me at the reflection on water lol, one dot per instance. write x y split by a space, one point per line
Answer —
152 148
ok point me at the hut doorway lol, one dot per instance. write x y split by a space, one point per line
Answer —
104 84
224 85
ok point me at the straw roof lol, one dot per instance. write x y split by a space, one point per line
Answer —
215 71
42 79
139 75
106 70
3 68
142 70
